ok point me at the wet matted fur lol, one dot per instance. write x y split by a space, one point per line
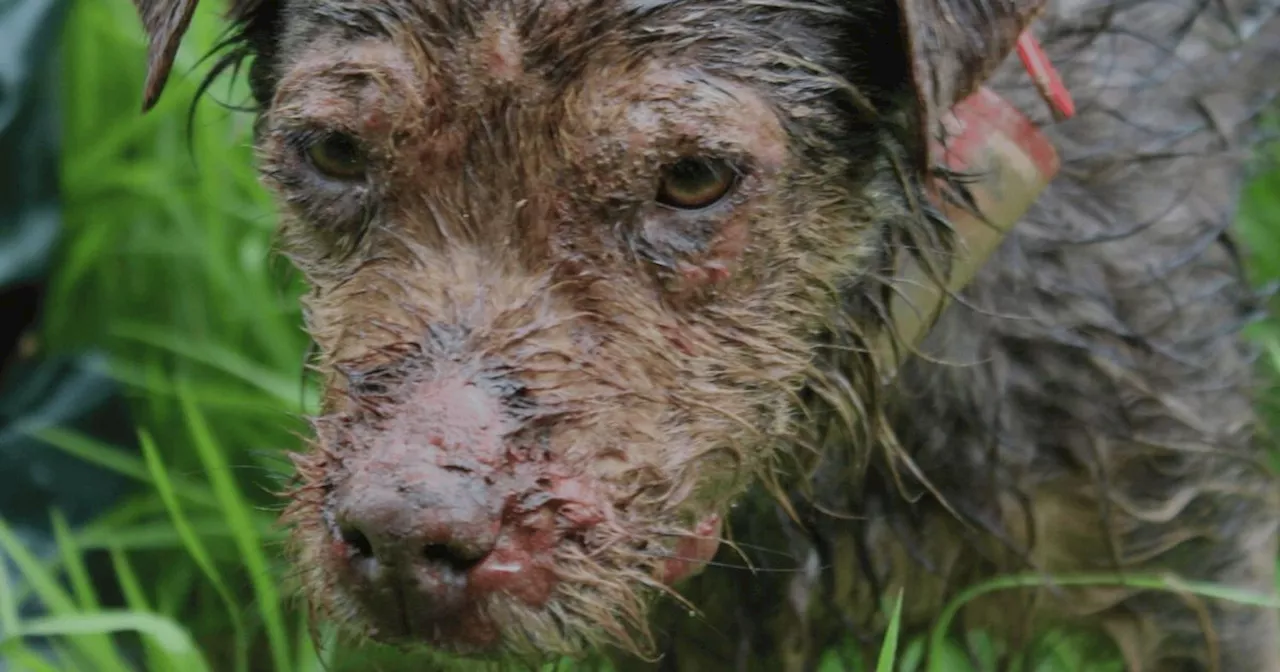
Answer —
504 317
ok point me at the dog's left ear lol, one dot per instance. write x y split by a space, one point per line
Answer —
953 46
166 22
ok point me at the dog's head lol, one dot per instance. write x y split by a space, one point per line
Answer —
571 262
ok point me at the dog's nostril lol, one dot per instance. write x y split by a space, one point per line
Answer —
455 557
379 529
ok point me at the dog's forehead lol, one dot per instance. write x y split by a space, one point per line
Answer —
552 55
441 25
538 46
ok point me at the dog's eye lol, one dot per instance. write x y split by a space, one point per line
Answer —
695 183
338 156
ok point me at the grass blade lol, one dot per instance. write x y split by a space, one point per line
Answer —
172 639
938 634
160 536
136 599
194 547
8 600
282 388
25 659
73 563
96 648
119 461
242 523
889 649
134 596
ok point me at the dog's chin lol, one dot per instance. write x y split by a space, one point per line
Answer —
589 601
471 634
503 627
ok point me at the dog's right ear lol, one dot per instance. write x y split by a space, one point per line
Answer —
165 22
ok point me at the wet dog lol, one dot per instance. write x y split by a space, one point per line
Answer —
596 287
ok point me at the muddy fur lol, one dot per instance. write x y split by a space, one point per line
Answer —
1084 406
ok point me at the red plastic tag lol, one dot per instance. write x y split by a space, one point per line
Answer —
1045 77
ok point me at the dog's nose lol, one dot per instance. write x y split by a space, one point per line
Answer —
437 518
417 529
419 508
433 521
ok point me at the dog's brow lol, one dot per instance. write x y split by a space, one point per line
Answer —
382 18
648 5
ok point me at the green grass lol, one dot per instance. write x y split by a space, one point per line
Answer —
163 264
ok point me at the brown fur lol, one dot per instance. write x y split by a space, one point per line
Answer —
1086 406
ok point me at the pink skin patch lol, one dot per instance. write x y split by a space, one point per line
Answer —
692 553
718 264
521 564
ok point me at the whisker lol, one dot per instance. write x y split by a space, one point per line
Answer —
726 540
727 565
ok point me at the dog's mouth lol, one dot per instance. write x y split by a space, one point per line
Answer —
445 594
532 587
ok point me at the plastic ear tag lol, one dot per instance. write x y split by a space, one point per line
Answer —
1007 163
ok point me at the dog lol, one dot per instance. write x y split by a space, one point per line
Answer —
622 310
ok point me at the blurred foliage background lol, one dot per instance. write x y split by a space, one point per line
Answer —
154 372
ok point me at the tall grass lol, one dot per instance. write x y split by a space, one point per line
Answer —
164 265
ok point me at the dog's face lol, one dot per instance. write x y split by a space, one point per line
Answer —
570 261
566 258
